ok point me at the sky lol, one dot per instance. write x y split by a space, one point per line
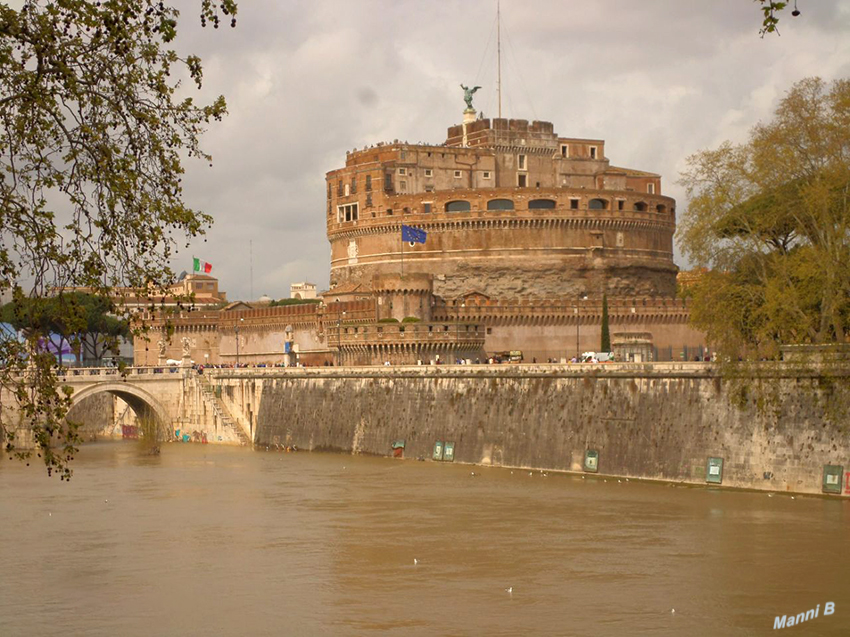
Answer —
305 81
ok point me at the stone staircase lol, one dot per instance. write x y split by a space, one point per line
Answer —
218 407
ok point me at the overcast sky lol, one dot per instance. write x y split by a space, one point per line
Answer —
307 80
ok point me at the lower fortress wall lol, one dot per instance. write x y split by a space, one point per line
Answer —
658 421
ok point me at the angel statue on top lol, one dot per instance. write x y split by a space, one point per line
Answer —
467 95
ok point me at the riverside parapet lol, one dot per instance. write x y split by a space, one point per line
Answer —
776 428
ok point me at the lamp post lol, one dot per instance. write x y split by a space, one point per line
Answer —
237 341
578 322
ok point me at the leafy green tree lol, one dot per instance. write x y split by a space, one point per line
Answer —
770 219
606 331
95 129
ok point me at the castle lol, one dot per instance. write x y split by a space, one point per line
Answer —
524 233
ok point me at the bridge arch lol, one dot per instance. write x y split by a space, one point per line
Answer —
143 403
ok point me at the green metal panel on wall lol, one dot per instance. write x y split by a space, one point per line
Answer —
714 470
832 474
591 460
449 452
438 450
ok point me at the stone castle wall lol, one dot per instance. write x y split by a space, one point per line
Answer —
646 421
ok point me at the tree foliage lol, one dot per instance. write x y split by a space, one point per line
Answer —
770 219
771 10
96 125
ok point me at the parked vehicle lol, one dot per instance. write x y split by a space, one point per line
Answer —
597 357
513 356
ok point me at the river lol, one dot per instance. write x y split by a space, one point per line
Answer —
215 540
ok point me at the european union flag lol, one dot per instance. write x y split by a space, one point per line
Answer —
414 235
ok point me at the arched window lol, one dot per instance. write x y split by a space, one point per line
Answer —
457 206
640 206
541 204
597 204
500 204
661 208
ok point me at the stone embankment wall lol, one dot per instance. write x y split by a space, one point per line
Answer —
774 431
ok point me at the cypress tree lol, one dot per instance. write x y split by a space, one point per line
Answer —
606 334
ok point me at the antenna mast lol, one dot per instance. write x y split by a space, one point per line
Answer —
499 55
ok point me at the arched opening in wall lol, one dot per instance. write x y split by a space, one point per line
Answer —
297 295
500 204
541 204
136 413
640 206
661 208
458 206
597 204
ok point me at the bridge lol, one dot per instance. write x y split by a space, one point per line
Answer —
175 397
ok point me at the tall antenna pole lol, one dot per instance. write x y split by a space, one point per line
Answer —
499 54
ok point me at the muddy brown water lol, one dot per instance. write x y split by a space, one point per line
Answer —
207 540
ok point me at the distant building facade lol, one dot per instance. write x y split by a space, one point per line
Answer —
302 291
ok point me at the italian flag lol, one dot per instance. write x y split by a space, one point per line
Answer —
201 266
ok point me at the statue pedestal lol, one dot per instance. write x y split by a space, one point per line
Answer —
468 118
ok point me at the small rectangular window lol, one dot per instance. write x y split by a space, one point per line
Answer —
458 174
565 150
339 188
402 154
573 204
368 199
402 171
429 172
486 174
522 181
347 212
426 207
593 152
521 165
650 188
620 204
389 212
402 186
368 183
388 182
353 185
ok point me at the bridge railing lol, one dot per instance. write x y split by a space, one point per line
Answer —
89 372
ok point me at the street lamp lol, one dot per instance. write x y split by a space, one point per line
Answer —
578 322
237 341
